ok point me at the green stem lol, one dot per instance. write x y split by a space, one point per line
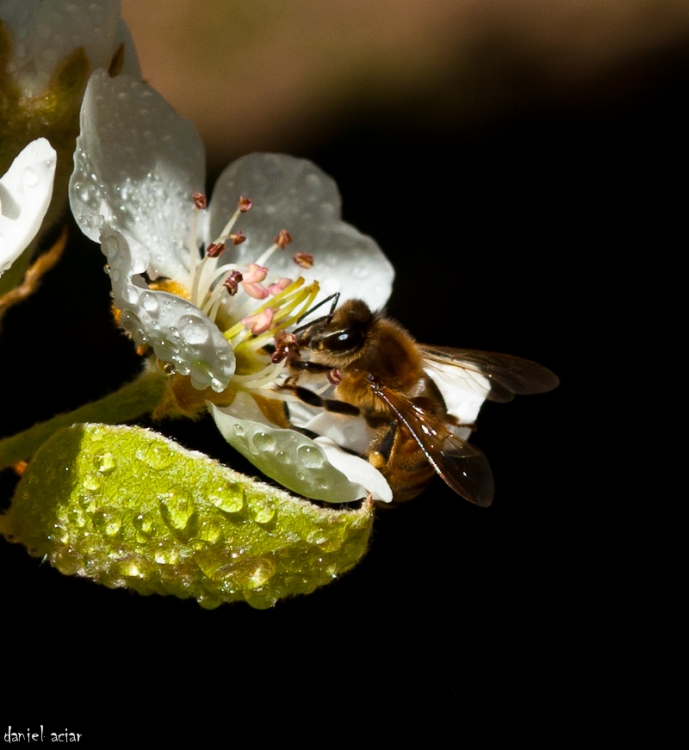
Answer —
131 401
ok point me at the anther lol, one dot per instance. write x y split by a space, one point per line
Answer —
214 249
244 204
231 283
238 237
259 322
279 286
283 239
199 200
286 347
305 260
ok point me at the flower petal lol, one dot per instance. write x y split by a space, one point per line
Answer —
44 34
25 192
176 329
353 466
299 463
137 164
295 195
463 392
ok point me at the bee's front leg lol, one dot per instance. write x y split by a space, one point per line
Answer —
313 399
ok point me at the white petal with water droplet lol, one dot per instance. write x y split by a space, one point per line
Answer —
176 329
299 463
295 195
137 164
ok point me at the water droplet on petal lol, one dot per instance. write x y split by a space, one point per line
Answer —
264 442
149 302
310 457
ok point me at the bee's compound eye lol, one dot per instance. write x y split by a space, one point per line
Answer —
342 341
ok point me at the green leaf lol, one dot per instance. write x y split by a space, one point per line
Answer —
126 507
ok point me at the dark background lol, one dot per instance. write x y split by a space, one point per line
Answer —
518 234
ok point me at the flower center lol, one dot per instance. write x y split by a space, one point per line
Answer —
247 305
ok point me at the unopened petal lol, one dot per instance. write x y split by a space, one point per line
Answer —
43 34
25 192
137 164
295 195
297 462
176 329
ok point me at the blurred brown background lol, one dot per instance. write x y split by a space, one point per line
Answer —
271 75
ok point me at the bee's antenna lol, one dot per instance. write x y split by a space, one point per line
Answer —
335 297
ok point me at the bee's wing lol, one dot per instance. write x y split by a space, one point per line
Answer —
462 467
497 377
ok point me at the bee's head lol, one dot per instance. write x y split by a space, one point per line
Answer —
340 334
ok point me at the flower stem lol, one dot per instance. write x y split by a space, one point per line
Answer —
131 401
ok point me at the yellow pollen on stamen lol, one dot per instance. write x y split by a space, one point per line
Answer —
304 299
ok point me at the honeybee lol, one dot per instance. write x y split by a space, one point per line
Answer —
382 374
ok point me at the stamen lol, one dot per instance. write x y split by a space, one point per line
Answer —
197 280
286 347
305 260
214 249
283 239
255 273
259 322
261 261
199 203
231 283
238 237
303 297
257 380
257 291
242 207
279 285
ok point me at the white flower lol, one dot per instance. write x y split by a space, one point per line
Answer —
137 166
46 32
25 192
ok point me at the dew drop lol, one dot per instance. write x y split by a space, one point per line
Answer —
128 568
194 330
177 510
230 499
105 463
149 302
283 457
144 523
107 523
310 457
210 531
260 599
263 511
67 562
165 556
264 442
92 482
156 457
